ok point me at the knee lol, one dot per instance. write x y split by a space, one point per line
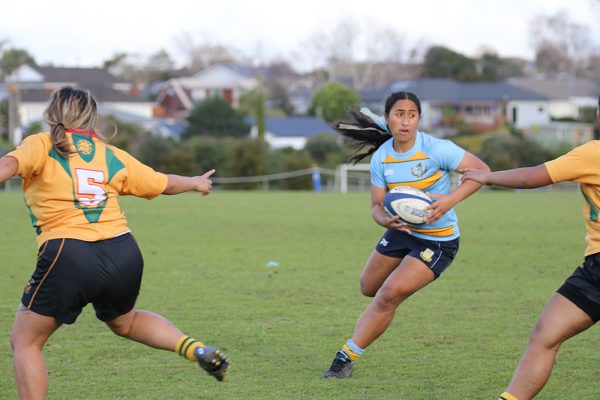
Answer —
120 329
389 298
367 289
541 340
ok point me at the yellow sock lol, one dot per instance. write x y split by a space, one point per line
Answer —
186 346
507 396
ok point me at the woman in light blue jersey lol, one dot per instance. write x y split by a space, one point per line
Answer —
406 258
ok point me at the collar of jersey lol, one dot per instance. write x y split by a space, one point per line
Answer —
83 132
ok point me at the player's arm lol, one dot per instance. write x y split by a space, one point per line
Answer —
518 178
178 184
8 167
379 214
444 203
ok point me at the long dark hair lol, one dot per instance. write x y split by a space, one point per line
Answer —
365 133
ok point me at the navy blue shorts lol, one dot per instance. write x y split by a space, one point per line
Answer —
437 255
71 273
583 287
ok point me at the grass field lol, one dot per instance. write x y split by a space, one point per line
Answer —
459 338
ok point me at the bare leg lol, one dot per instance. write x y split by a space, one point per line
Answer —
147 328
376 271
30 333
560 321
410 276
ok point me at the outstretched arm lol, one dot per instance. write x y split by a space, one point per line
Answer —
178 184
518 178
444 203
8 167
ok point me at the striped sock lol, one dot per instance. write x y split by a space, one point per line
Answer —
351 350
186 346
507 396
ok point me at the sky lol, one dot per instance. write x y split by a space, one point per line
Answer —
85 34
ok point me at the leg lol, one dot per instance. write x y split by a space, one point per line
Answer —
560 321
155 331
30 333
147 328
410 276
376 271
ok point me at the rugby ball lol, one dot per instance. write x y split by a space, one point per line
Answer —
408 203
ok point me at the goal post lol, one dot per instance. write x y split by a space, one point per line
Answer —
342 172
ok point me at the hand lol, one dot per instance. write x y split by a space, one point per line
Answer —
203 183
395 223
440 206
475 175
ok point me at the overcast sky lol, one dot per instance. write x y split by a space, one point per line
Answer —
83 33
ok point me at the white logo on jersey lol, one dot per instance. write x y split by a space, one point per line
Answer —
90 191
384 242
388 172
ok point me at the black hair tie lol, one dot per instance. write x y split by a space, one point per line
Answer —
61 124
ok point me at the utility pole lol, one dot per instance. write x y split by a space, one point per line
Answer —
15 134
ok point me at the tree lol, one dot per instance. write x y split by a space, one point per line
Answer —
560 45
204 54
333 102
12 59
277 98
215 116
247 158
512 151
441 62
253 103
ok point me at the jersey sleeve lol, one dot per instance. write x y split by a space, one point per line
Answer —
448 154
581 164
377 177
141 180
31 155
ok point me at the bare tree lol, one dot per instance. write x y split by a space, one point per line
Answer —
560 44
202 53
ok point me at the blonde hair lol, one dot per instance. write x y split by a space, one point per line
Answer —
70 108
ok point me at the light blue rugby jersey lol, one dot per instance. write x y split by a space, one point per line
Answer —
427 167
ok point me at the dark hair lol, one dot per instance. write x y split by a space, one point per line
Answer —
394 97
364 133
598 101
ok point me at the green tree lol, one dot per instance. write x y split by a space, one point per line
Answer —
211 152
333 101
247 158
215 117
4 119
512 151
441 62
278 98
288 159
168 155
252 103
12 59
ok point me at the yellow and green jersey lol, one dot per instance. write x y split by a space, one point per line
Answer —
582 165
76 196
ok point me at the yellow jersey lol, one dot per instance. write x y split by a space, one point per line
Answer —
76 196
582 165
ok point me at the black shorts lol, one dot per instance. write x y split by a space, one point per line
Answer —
437 255
583 287
71 273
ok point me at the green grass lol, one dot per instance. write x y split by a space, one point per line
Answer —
459 338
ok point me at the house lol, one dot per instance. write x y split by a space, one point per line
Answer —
485 106
178 95
566 95
31 88
291 131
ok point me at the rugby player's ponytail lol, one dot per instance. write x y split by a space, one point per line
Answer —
70 108
366 130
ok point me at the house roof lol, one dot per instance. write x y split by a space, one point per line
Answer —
294 126
454 91
558 88
101 93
